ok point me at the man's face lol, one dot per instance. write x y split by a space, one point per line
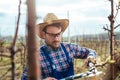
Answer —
53 36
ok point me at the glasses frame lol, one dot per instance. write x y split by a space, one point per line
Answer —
54 35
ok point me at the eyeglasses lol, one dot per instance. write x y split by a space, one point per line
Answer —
54 35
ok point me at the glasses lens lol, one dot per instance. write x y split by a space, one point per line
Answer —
54 35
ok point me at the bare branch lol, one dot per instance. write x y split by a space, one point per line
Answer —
13 44
18 20
116 12
116 26
4 55
106 29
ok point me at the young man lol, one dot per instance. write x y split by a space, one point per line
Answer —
56 58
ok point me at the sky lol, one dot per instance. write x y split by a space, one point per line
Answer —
85 16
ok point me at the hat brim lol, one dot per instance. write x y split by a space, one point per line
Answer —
41 26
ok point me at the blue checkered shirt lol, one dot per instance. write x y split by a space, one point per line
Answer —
59 59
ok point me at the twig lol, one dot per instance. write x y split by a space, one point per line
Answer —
13 44
3 76
4 55
106 29
116 26
117 11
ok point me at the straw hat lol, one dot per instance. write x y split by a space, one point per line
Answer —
49 19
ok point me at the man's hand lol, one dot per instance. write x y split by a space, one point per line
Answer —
49 78
90 59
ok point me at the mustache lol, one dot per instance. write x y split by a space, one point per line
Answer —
55 41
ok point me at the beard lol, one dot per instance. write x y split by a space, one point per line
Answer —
54 45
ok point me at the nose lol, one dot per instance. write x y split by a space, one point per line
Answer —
56 37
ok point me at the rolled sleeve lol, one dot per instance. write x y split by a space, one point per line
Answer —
92 54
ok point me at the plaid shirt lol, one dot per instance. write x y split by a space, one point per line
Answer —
59 59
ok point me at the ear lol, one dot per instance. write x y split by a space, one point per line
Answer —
43 34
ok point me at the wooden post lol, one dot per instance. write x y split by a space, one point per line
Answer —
33 62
